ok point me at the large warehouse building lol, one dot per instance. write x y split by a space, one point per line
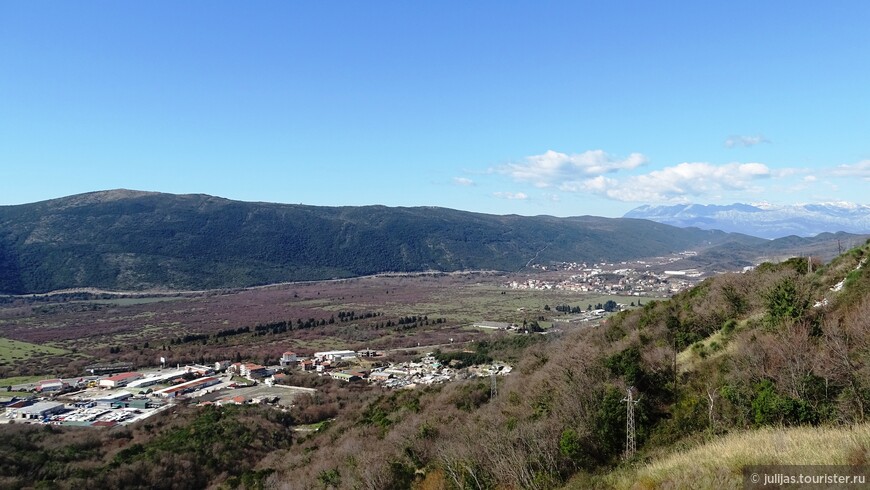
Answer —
40 410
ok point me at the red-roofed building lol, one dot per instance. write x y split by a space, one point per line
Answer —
288 358
252 370
51 385
119 380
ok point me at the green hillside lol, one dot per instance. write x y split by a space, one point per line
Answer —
133 240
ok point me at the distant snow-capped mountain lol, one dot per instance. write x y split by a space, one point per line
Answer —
763 220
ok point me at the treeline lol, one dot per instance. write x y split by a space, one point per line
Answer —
608 306
349 316
284 326
461 359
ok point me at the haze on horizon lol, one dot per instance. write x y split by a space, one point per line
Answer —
568 108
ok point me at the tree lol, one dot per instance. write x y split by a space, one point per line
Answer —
786 301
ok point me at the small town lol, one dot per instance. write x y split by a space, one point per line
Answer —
119 398
630 278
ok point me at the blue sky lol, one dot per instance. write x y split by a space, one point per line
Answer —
560 108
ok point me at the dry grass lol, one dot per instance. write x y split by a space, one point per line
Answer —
688 359
718 464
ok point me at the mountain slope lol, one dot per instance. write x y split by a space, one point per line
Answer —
763 220
134 240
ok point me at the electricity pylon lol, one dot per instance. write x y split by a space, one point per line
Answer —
630 444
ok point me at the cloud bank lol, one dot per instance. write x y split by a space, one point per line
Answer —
553 168
597 173
679 183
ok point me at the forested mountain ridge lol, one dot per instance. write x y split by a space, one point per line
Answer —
132 240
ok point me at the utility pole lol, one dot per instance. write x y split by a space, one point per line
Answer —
630 444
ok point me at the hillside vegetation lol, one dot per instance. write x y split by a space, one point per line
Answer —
770 366
778 347
136 240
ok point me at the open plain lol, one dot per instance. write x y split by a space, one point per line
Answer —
71 331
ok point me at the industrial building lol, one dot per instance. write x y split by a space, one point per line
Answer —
153 380
51 385
119 380
41 410
188 387
113 400
335 355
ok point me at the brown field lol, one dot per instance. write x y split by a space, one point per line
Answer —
143 329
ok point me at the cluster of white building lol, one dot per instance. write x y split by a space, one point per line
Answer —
429 371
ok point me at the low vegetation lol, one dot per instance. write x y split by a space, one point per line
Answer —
764 367
719 463
188 448
14 350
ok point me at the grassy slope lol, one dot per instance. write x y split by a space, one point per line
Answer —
14 350
719 463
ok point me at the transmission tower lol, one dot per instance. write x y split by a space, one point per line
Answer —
630 444
493 386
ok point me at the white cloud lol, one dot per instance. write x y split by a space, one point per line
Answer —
553 167
745 141
810 178
678 183
463 181
860 170
511 195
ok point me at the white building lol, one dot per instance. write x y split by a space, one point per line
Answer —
51 385
153 380
335 355
119 380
